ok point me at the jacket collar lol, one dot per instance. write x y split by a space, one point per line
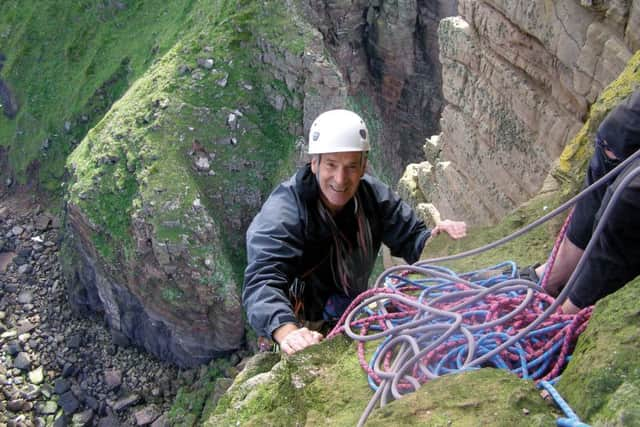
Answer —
306 184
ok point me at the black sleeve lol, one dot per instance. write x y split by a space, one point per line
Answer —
403 232
274 250
613 262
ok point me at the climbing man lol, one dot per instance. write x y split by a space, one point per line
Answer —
614 259
312 246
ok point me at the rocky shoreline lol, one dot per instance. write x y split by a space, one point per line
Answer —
57 368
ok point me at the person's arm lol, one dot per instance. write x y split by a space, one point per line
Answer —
274 249
613 259
403 232
275 241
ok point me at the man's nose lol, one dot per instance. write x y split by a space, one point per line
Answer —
340 176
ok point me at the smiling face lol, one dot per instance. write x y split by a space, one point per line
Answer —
338 176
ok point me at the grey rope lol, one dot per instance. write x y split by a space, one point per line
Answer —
405 334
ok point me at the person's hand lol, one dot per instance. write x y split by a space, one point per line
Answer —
455 229
293 339
569 308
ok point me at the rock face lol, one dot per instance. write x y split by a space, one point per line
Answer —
388 54
180 321
518 79
204 327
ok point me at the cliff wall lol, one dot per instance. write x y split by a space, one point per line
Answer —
518 78
387 52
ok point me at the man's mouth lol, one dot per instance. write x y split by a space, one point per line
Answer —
344 190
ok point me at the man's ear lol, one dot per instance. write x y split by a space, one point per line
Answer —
314 164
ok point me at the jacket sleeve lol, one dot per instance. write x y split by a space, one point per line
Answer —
274 249
403 232
613 260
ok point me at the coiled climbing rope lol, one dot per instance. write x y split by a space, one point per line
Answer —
432 321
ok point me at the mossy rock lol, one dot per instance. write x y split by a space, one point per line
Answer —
602 381
324 385
162 189
476 398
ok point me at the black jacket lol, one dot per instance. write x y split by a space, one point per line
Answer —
613 260
287 240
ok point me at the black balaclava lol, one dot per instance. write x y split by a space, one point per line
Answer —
621 128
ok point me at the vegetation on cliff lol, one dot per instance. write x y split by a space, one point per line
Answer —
168 180
66 63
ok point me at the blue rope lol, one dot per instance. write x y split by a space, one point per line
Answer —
571 420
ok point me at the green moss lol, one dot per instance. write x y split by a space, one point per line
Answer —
172 295
190 401
105 190
325 385
531 247
476 398
299 389
80 72
61 142
576 154
283 26
150 134
605 363
342 386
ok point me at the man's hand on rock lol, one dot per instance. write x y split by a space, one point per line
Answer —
293 339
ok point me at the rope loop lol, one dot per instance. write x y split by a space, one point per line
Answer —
429 321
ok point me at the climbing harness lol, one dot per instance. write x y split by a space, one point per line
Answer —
433 321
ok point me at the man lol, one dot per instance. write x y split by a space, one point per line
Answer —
614 259
313 245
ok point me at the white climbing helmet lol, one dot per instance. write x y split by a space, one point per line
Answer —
337 131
